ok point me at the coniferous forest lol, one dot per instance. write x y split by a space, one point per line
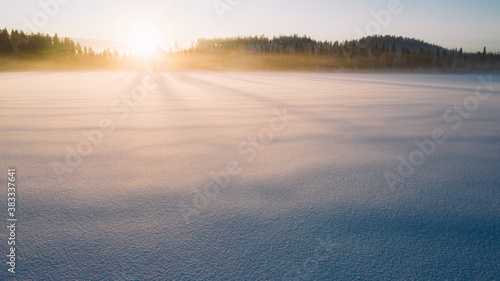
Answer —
20 45
19 50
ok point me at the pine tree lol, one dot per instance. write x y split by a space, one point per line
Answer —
56 43
78 49
91 53
5 44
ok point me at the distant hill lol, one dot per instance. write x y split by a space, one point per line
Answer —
368 53
400 42
296 43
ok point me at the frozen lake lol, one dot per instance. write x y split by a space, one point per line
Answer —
252 176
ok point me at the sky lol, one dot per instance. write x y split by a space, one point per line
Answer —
449 23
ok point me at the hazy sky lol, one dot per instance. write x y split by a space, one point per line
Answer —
450 23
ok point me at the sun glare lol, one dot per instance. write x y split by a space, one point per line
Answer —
144 40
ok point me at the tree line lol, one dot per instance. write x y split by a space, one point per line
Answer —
372 52
18 44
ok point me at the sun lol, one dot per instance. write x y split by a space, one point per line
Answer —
143 40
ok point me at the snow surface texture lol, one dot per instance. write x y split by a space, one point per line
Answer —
313 204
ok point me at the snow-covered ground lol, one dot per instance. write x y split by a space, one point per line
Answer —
252 176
